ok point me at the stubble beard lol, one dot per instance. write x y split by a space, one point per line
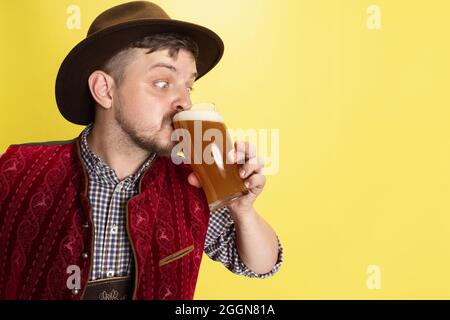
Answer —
150 144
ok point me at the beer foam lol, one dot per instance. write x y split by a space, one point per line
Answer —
202 115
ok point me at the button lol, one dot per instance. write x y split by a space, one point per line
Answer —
84 255
109 273
75 291
114 229
85 225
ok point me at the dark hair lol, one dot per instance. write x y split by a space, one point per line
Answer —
116 65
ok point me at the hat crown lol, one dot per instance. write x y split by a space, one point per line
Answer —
126 12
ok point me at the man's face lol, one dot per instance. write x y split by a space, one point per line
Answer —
154 88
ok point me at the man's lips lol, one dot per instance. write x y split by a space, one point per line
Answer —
170 125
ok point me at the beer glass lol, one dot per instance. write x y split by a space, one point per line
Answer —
208 148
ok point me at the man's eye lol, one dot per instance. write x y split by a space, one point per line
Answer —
162 84
189 89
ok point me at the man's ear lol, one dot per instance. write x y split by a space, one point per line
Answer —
101 85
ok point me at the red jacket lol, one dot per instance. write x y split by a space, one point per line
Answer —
46 225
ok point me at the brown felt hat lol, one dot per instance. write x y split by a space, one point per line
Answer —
110 32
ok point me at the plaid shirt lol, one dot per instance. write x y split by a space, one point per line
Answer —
112 252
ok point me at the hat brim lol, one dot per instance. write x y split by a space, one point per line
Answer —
73 96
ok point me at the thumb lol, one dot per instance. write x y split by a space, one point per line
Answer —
194 180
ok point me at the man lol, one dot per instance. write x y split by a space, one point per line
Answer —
108 215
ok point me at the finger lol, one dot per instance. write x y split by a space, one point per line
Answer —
231 156
255 183
247 148
194 180
254 165
244 150
240 157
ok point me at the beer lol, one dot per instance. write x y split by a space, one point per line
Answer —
207 149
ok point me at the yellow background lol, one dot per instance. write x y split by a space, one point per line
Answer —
363 115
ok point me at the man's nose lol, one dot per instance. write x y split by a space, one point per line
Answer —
183 108
184 100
